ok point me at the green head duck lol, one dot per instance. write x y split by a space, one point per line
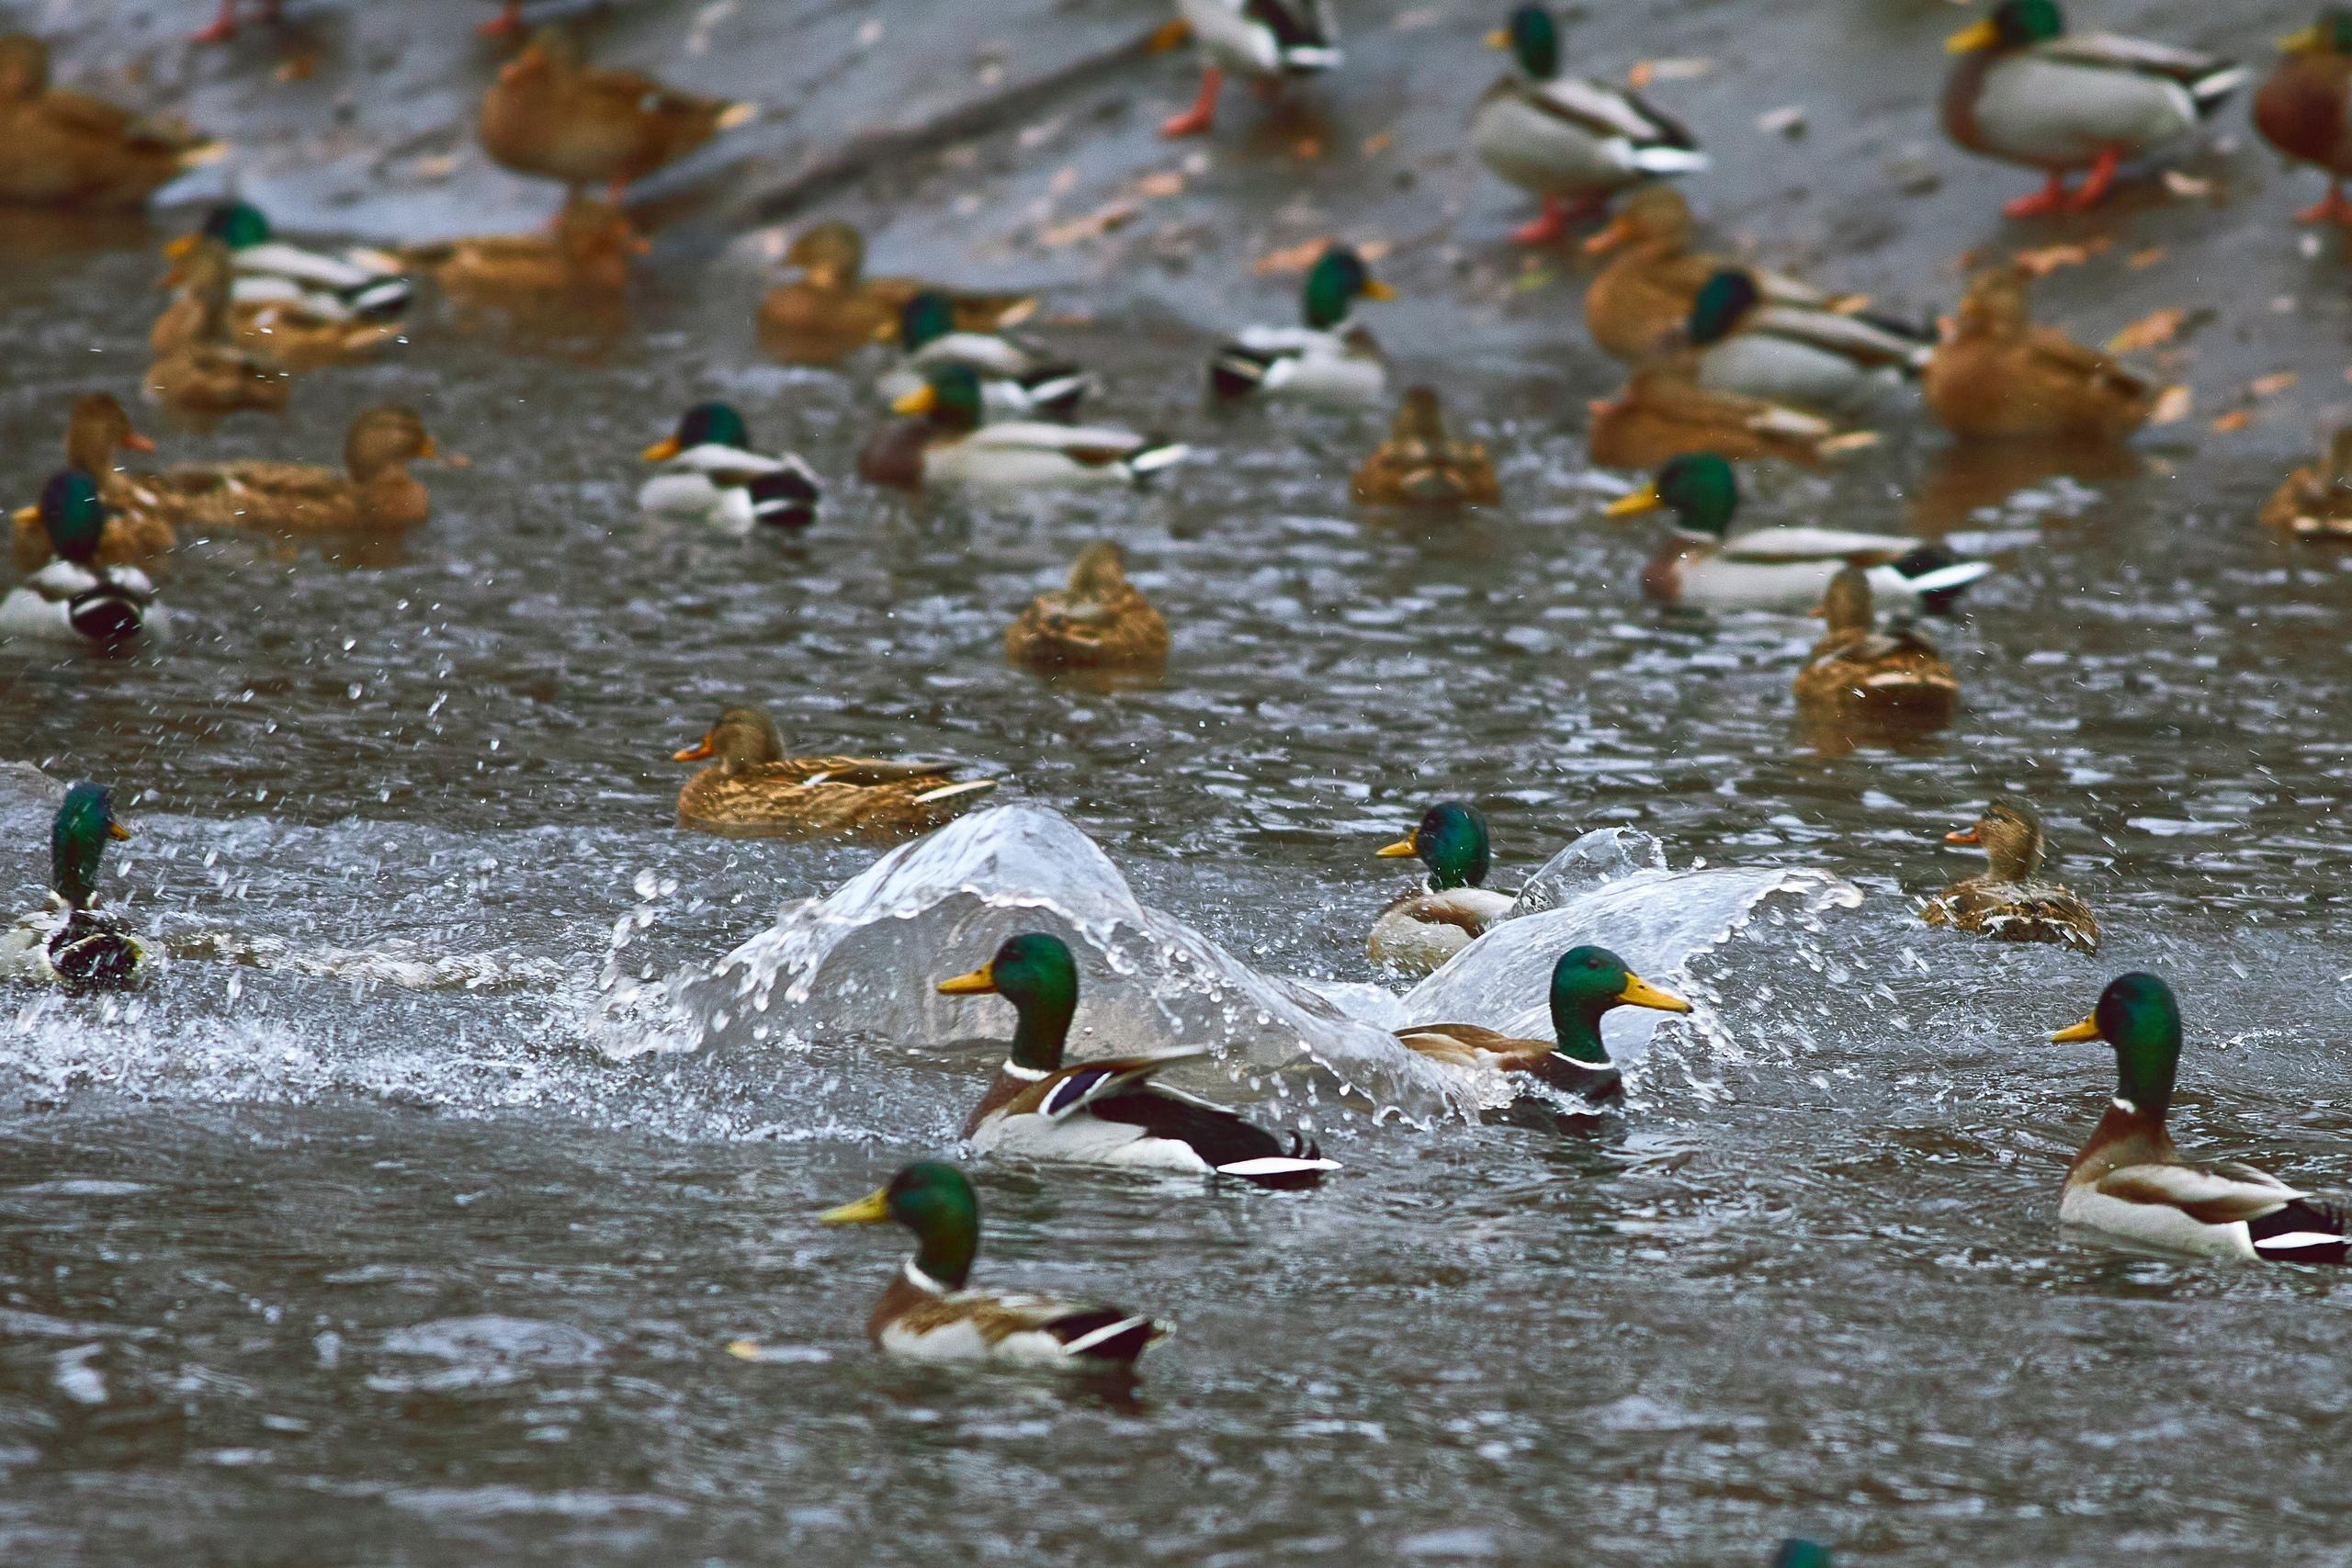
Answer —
1451 842
77 842
2014 24
1723 302
950 396
237 224
1588 982
1334 283
72 515
704 425
1698 488
928 317
935 1202
2137 1015
1036 974
1534 39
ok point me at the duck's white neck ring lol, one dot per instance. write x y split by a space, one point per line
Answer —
1013 1069
922 1281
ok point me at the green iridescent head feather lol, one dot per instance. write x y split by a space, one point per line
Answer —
72 515
713 425
1702 490
77 842
928 317
1535 41
237 224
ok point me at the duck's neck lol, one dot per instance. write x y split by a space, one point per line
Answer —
948 1246
1578 1024
1042 1031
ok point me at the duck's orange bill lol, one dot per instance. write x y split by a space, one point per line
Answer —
1499 38
923 400
1397 851
1645 498
1375 289
1620 230
1640 993
2310 41
1968 41
137 443
870 1210
695 752
182 245
25 515
662 451
1961 835
2087 1029
978 982
117 830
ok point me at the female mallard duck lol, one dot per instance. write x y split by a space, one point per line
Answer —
74 598
751 790
1572 142
1998 377
1017 380
833 310
588 255
1269 40
2025 92
550 113
373 492
71 943
2315 500
1702 563
1815 360
926 1314
283 331
1099 622
1586 983
1860 675
709 474
1327 359
1664 411
64 149
2304 108
352 284
205 372
951 445
2010 902
1417 931
1421 465
2130 1184
1108 1110
95 431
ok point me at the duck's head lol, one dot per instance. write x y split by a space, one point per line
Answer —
1099 572
2137 1015
96 429
1653 215
384 439
934 1200
236 224
743 737
72 515
949 397
1722 303
24 66
928 317
1334 283
553 51
1698 488
2332 34
1532 36
1847 604
1035 973
2012 24
831 254
1588 982
1998 304
2011 836
1795 1553
77 841
704 425
1420 419
1451 842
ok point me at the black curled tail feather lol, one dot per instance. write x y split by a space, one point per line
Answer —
2305 1230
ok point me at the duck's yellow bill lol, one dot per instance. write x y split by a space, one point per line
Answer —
978 982
870 1210
695 752
117 830
1170 35
182 245
1375 289
1968 41
2310 41
1640 993
1961 835
2075 1033
25 515
1608 239
1401 850
923 400
662 451
1499 38
1645 498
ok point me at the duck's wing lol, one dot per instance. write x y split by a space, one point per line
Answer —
1460 1044
2056 350
2212 1195
1092 444
866 771
1226 1145
1796 543
1080 1087
1018 1327
1609 111
1866 340
2208 78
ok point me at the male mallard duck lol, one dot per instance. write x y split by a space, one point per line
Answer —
2315 500
286 332
1571 141
2010 902
352 284
1810 359
1860 674
1997 376
928 1315
1017 380
1664 411
1270 41
373 492
709 474
1417 931
832 309
587 256
1702 563
2131 1185
1099 622
1421 465
951 445
753 790
2025 92
2304 108
552 113
1106 1112
74 598
207 372
95 431
71 943
1586 983
66 149
1329 359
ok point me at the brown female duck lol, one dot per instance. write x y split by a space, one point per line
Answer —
1100 621
833 308
751 790
1421 465
95 431
589 253
205 372
373 492
1664 413
552 113
1860 674
2010 902
2315 500
2304 108
63 149
1997 376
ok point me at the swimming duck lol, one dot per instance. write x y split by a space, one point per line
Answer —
1327 359
2011 902
1997 376
588 255
1664 411
2304 108
373 492
1421 465
1586 983
2129 1184
1270 41
550 113
1417 931
833 310
709 474
1860 675
95 431
1702 563
1572 142
74 599
951 445
1804 358
71 944
284 331
1640 303
2026 92
751 790
205 371
1099 622
1016 379
1108 1110
2315 500
926 1314
352 284
66 149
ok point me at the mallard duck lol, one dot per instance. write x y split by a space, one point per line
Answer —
2129 1184
1327 359
709 474
71 944
832 309
205 372
1270 41
552 113
2025 92
926 1314
95 431
74 599
1860 675
951 445
66 149
2010 902
351 284
1108 1110
589 253
373 492
1811 359
1016 379
2304 108
1702 563
751 790
1664 411
2315 500
1099 622
1421 465
1997 376
284 331
1417 931
1586 983
1572 142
